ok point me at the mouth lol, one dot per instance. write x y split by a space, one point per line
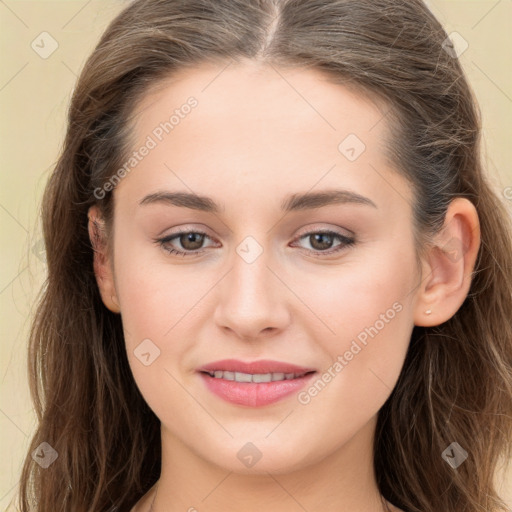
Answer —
255 377
254 384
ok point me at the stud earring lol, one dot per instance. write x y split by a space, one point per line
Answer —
428 312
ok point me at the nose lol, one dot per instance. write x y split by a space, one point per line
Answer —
252 300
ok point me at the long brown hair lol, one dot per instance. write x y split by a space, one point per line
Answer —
456 383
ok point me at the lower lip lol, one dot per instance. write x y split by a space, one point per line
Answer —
254 394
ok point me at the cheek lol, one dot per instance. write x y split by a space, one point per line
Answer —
154 303
153 310
369 288
152 295
368 311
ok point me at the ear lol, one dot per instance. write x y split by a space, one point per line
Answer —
448 266
103 269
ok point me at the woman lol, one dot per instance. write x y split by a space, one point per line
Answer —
277 278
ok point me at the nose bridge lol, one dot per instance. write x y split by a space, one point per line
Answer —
251 276
250 300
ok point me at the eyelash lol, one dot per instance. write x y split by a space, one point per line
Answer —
346 242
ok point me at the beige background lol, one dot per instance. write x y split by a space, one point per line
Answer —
34 94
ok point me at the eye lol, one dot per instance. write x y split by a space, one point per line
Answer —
321 242
191 241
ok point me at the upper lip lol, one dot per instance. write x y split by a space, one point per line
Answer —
261 366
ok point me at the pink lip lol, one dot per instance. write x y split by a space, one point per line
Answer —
263 366
254 394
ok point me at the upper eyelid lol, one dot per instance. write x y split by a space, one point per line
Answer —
312 229
335 230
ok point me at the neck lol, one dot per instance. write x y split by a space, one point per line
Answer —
344 480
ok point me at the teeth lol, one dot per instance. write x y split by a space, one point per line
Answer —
243 377
262 377
253 377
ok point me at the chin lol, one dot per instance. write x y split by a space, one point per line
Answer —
262 458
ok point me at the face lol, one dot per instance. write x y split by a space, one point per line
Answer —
260 273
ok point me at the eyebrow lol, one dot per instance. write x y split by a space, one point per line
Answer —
294 202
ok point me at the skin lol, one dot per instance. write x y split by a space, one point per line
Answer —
257 135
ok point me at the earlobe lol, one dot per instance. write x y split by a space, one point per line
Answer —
102 264
448 266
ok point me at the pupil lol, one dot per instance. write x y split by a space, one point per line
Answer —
194 239
325 244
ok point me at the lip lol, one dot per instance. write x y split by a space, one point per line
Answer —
262 366
254 394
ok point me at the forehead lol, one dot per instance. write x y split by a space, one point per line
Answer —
253 125
260 97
